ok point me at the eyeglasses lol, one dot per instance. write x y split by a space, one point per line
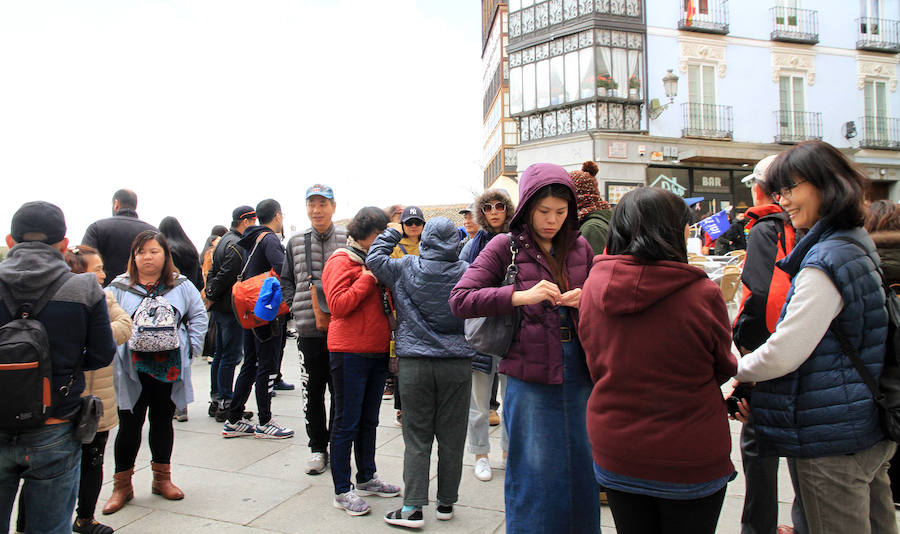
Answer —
499 206
414 222
787 192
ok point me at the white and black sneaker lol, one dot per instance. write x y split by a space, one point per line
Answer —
243 427
444 512
411 519
272 430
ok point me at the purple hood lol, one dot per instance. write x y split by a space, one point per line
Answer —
534 178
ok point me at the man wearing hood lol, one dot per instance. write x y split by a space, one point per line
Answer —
262 345
76 320
435 363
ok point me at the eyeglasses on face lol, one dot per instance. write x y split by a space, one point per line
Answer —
414 222
787 192
497 206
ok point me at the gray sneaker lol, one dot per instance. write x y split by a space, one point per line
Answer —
351 503
316 463
376 486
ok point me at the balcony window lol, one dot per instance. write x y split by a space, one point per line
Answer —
792 101
708 16
707 121
796 126
793 25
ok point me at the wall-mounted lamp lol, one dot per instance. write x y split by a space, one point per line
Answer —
670 85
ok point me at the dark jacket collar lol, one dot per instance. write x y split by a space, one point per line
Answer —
126 212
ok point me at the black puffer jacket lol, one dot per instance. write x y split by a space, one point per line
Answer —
227 260
112 237
269 253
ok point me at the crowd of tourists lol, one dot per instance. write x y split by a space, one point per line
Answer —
610 385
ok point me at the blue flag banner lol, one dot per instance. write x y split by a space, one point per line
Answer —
715 225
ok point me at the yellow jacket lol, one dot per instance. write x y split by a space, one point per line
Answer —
100 382
411 248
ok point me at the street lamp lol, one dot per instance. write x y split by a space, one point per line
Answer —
670 85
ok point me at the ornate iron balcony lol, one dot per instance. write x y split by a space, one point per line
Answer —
796 126
707 16
793 25
878 35
879 132
707 121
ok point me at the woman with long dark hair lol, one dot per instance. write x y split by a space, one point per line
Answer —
810 404
549 487
184 253
153 382
656 334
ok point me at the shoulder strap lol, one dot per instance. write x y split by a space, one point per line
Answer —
512 270
22 309
127 288
307 244
250 257
851 353
177 282
402 248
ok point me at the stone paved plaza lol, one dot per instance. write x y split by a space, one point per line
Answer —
247 485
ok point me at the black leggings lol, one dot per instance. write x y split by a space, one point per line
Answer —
641 514
157 397
91 480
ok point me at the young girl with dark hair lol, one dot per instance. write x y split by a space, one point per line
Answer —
549 487
153 382
656 334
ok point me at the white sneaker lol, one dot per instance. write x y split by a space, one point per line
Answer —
316 463
483 470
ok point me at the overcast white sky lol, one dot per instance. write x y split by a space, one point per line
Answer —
200 106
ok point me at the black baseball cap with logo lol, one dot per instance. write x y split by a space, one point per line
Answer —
410 213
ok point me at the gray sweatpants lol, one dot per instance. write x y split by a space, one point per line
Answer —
435 395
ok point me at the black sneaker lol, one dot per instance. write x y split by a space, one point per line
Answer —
90 526
213 408
444 512
222 412
412 519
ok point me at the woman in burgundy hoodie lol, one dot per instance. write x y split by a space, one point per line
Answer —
549 488
656 335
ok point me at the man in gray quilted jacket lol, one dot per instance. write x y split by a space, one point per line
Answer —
306 254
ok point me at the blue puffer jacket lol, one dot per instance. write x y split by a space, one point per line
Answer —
421 288
824 408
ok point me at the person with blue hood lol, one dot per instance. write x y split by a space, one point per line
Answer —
435 363
549 487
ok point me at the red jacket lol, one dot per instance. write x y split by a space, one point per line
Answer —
657 343
770 238
358 323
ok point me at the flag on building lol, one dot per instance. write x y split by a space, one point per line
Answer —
691 11
715 225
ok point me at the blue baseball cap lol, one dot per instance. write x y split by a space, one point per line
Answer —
320 190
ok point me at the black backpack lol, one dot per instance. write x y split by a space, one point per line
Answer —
25 362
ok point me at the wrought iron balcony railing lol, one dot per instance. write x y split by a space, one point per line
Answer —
707 121
879 132
707 16
796 126
795 25
878 35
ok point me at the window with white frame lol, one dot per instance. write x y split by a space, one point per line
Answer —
702 111
876 118
792 105
786 14
870 11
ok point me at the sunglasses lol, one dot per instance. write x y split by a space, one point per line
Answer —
499 206
414 222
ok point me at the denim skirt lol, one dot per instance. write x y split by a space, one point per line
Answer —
550 487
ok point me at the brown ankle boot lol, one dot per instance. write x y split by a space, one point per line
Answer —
162 482
122 492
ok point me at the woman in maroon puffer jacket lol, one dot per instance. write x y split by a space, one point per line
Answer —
549 487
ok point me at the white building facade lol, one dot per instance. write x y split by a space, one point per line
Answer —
753 78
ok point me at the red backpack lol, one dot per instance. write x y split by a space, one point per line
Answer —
245 293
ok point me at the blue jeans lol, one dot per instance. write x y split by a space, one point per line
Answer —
358 382
550 487
48 459
229 351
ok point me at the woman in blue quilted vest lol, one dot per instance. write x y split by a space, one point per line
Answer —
810 404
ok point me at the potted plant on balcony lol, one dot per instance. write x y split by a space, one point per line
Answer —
634 86
606 85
